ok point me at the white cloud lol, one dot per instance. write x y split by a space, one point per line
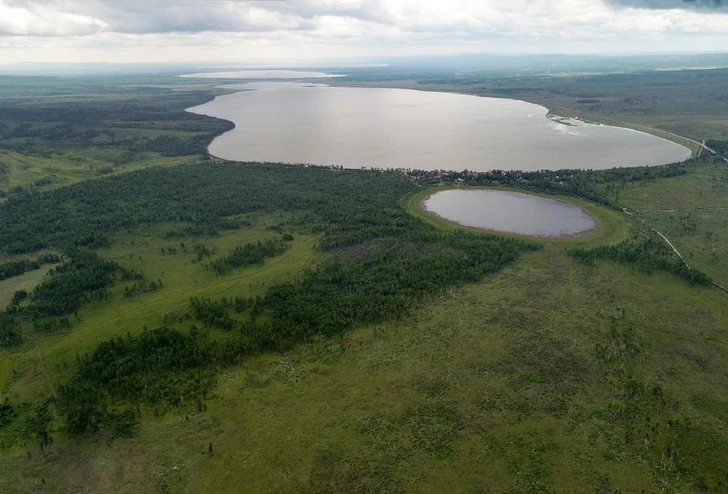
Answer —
159 29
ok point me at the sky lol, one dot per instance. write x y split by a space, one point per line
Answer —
305 31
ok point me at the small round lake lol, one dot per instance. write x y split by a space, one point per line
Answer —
511 212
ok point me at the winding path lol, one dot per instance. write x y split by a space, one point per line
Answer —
667 240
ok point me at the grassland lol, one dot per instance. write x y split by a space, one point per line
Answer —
691 212
26 281
497 384
549 375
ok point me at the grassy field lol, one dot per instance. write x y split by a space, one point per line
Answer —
27 281
37 173
497 384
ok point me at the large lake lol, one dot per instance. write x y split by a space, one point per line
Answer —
262 74
377 127
512 212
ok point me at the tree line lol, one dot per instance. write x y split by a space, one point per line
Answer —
647 253
249 254
20 266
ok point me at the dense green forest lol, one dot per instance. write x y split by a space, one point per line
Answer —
720 147
85 214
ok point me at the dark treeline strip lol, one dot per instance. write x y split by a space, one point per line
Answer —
383 283
16 268
215 314
10 334
83 277
249 254
647 253
142 286
161 367
720 147
600 186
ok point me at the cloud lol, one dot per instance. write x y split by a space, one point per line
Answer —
699 5
79 17
336 18
42 20
322 28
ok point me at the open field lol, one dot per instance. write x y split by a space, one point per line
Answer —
497 384
26 281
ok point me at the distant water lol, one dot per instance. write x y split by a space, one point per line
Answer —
511 212
400 128
262 74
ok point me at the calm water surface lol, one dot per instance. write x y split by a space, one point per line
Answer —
512 212
377 127
261 74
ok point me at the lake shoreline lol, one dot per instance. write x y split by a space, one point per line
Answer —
421 198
